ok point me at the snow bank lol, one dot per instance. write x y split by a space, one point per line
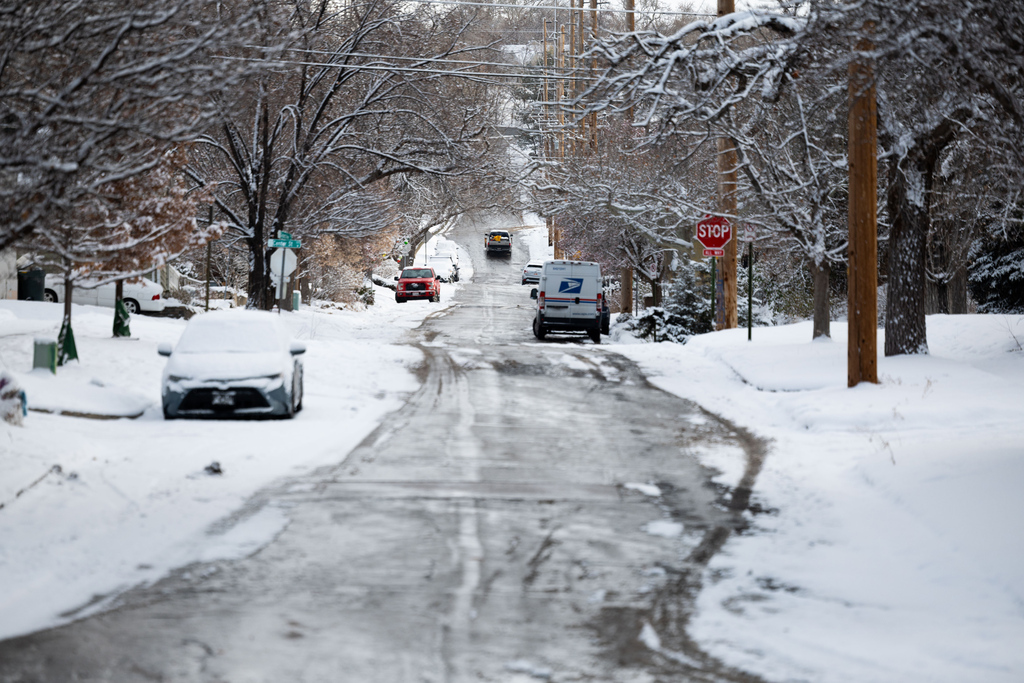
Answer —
891 552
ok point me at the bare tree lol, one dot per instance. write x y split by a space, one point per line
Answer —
363 94
944 70
94 93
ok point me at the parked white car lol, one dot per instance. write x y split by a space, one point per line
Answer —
233 364
140 296
445 267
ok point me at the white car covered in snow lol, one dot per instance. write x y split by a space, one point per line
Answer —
140 296
445 267
233 364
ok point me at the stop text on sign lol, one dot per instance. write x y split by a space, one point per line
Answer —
714 232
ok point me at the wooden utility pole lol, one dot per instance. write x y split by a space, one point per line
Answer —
727 185
626 298
547 101
862 281
593 38
572 58
561 91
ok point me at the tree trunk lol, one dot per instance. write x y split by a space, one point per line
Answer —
957 290
931 298
68 288
822 313
905 330
626 291
256 288
936 291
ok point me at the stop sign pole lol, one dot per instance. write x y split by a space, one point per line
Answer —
714 233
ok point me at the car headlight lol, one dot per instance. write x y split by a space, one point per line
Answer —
176 378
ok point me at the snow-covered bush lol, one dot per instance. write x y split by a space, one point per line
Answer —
686 312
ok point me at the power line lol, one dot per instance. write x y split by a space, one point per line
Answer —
473 75
556 7
459 62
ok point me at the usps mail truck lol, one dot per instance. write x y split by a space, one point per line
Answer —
569 299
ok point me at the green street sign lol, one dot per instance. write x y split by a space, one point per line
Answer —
284 244
282 235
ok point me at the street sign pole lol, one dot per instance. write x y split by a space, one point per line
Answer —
284 244
280 290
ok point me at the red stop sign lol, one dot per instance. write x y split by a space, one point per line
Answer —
714 232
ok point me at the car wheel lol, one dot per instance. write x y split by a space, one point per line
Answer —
132 305
298 391
50 295
436 298
399 300
595 336
538 330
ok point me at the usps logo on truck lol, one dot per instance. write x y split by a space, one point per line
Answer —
570 285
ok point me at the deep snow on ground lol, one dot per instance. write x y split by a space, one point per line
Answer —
130 499
890 551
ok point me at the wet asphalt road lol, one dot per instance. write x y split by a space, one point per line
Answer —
484 532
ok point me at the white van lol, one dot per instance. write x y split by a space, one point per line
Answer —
568 299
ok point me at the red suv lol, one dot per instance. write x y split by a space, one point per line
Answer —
418 282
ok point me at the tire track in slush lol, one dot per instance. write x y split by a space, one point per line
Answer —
447 385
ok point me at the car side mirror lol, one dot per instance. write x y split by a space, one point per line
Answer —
296 348
164 349
396 278
533 293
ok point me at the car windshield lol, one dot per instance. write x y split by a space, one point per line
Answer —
417 272
230 336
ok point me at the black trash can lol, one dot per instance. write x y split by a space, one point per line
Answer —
31 284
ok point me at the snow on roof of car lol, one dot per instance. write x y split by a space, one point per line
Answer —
237 331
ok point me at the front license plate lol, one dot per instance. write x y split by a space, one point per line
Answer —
223 398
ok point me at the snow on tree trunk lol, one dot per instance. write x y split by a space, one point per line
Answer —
905 302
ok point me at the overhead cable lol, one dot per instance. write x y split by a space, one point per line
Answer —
557 7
